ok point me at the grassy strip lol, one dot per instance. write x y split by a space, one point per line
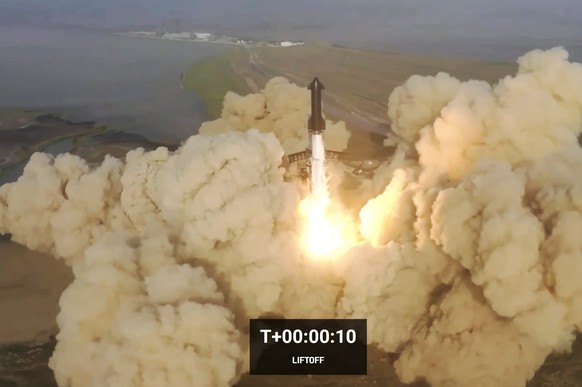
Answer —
211 79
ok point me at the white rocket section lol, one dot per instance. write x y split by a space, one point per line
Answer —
318 180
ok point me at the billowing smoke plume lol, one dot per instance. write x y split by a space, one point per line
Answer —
472 273
164 248
135 317
281 108
469 267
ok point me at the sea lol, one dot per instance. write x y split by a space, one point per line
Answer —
127 83
133 84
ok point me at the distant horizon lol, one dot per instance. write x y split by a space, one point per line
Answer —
486 49
467 28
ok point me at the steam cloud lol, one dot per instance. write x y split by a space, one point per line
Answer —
469 267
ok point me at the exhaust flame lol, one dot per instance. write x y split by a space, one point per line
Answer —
327 233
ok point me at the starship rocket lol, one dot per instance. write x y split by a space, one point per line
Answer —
316 152
315 127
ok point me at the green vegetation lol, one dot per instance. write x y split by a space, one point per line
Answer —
212 78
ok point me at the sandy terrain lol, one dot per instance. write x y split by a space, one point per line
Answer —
30 287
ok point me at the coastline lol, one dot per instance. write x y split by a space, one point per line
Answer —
51 133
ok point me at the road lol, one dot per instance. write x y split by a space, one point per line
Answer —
333 105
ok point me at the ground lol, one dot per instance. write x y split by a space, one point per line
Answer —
211 79
357 82
357 87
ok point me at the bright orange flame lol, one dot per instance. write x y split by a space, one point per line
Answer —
326 233
376 224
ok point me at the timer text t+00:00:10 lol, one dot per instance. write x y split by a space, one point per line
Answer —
314 336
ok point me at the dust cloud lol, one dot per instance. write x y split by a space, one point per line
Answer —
468 263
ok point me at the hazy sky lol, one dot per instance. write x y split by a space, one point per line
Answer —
374 23
440 12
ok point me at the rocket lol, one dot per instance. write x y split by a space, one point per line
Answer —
315 127
316 152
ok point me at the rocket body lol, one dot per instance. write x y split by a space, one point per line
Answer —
318 179
315 127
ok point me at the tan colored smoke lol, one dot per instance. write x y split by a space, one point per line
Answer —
164 252
134 316
469 269
281 108
475 235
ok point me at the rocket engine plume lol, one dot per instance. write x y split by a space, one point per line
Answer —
326 232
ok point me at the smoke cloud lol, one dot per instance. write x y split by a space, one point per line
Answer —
281 108
164 249
468 265
475 237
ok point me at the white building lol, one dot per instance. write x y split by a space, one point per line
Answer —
202 35
290 44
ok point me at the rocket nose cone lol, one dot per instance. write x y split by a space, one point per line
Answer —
315 84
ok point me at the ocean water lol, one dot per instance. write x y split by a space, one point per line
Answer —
128 83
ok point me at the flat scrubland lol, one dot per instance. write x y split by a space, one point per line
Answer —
212 78
357 79
358 82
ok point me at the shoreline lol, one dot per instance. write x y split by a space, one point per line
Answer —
52 133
